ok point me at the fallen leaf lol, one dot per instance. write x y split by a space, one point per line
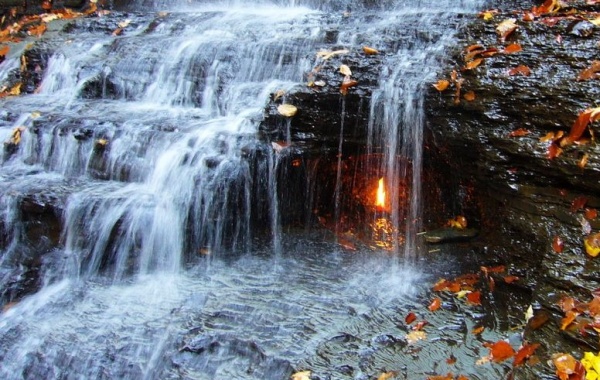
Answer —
506 27
458 222
510 279
496 269
558 39
591 72
369 50
278 146
278 94
410 318
435 304
549 6
37 31
591 213
538 319
326 54
519 132
441 85
521 70
553 151
478 330
583 161
448 376
570 316
500 351
345 70
557 244
580 125
451 360
512 48
578 203
469 96
415 336
4 50
287 110
528 16
346 84
524 352
420 325
473 64
591 363
302 375
566 365
15 137
592 244
474 298
387 375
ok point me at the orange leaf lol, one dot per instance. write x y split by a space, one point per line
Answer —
441 85
578 203
521 69
489 52
435 304
441 377
512 48
591 72
451 360
510 279
496 269
579 126
4 50
37 30
410 318
524 352
568 319
553 151
583 161
557 244
566 365
591 213
346 84
519 132
478 330
473 64
469 96
528 16
474 298
500 351
594 307
567 304
419 326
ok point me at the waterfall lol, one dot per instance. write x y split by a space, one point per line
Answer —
144 165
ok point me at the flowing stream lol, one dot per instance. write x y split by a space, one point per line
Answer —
141 222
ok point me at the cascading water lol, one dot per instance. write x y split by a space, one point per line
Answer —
145 149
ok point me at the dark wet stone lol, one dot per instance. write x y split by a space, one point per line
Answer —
581 28
445 235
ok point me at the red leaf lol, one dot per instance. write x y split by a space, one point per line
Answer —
500 351
557 244
419 326
553 151
410 318
578 203
591 213
474 298
521 69
525 352
496 269
519 132
512 48
435 304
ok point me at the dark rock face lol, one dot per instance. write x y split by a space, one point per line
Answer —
508 186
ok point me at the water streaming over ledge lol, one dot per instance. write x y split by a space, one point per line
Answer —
146 149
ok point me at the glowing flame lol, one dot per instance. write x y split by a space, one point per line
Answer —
380 194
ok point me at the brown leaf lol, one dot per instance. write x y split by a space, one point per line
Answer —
512 48
566 365
451 360
538 320
524 352
528 16
557 244
583 161
369 50
591 72
568 319
510 279
441 85
578 203
410 318
496 269
500 351
448 376
521 70
566 304
469 96
435 304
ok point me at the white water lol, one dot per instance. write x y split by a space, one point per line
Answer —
179 108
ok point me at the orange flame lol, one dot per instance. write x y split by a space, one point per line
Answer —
380 194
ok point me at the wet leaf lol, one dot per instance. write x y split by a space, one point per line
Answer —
500 351
345 70
584 160
553 151
591 363
591 213
590 72
458 222
570 316
566 304
15 137
278 94
510 279
478 330
578 203
327 54
538 319
441 85
302 375
580 125
420 325
496 269
566 365
448 376
474 298
557 244
512 48
469 96
435 304
387 375
37 31
473 64
519 132
346 84
451 360
524 352
410 318
369 50
528 16
521 70
506 27
287 110
549 6
592 244
415 336
4 50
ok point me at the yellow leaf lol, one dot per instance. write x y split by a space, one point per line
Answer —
506 27
487 16
345 70
326 54
415 336
387 375
462 293
596 21
369 50
302 375
287 110
592 244
591 363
